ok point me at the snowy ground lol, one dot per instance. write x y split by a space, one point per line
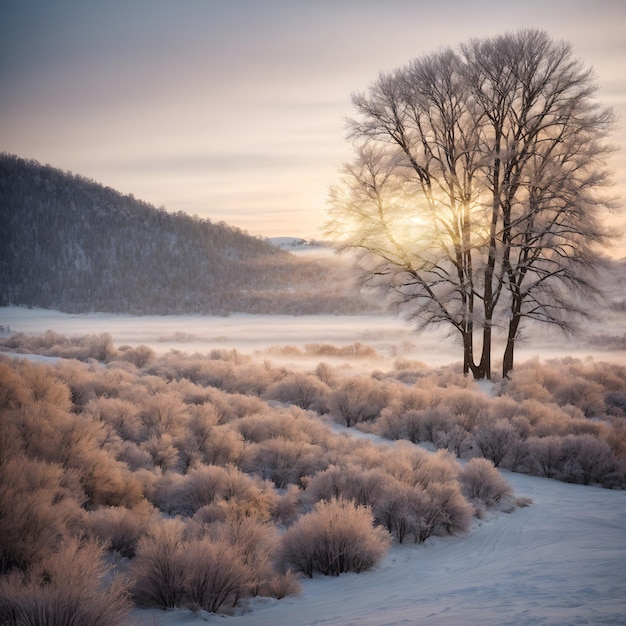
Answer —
560 561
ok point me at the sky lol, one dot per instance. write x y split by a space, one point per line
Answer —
235 110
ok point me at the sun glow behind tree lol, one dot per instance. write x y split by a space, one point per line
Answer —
475 197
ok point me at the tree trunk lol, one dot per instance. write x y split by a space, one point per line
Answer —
484 367
468 352
507 360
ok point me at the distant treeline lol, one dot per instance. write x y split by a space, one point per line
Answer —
71 244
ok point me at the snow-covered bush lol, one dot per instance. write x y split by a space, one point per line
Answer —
66 587
336 537
41 505
349 482
481 482
495 439
283 461
161 564
304 390
119 528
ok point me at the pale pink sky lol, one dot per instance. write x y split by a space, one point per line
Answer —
234 109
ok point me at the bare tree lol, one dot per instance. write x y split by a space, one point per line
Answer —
475 195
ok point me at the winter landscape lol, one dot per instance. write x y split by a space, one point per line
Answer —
557 559
365 365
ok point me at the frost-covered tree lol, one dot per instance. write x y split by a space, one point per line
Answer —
476 193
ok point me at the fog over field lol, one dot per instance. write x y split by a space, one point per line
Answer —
266 336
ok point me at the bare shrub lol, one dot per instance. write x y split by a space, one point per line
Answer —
206 441
200 487
444 510
121 415
362 486
120 528
495 439
38 508
281 585
336 537
13 390
587 395
545 455
304 390
358 399
139 356
586 459
215 575
163 414
67 587
283 461
398 510
481 482
160 565
163 452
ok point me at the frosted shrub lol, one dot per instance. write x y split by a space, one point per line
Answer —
587 395
336 537
364 487
38 509
200 487
42 386
121 415
163 413
215 575
433 423
255 543
447 510
406 425
207 442
304 390
139 356
545 455
481 482
66 588
119 528
161 564
359 399
13 391
495 439
398 510
283 461
266 425
163 452
414 466
586 459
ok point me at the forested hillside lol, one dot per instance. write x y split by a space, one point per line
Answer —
71 244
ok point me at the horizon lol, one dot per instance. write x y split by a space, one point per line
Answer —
236 113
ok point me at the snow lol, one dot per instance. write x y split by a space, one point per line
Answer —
559 561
